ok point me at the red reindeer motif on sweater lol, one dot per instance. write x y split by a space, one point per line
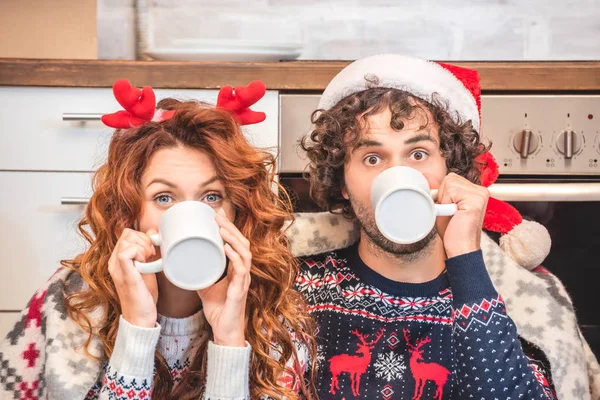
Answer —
423 371
356 365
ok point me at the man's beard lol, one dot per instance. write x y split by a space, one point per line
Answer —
407 252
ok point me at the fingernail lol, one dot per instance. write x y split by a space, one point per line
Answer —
222 212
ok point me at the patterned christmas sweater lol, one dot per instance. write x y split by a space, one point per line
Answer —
449 338
130 371
43 357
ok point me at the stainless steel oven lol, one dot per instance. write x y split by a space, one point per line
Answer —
548 149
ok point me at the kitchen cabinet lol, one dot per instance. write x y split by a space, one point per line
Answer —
48 154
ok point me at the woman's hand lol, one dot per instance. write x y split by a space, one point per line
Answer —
137 292
224 303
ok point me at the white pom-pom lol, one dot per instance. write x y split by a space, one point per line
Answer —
528 244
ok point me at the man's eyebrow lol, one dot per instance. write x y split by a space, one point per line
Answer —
419 138
367 143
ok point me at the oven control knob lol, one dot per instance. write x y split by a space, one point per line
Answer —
568 143
526 142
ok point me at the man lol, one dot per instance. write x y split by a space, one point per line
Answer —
421 320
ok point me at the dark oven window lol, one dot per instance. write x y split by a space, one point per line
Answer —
574 256
298 188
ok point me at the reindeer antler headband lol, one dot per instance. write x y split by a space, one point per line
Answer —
140 105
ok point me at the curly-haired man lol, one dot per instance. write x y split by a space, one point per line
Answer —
420 320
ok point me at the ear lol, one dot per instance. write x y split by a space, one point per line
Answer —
345 193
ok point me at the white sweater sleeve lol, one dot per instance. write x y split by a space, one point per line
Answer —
130 370
228 373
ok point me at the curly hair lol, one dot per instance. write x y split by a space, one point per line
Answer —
275 311
338 130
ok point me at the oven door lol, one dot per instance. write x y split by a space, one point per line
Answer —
570 210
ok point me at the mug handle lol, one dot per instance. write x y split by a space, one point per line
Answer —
154 266
443 210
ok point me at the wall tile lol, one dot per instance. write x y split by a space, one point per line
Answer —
349 29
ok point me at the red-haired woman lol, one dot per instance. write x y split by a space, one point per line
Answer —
101 329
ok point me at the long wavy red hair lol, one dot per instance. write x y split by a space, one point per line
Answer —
274 309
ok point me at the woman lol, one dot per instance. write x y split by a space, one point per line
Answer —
101 329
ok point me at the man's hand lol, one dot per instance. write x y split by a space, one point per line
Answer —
461 233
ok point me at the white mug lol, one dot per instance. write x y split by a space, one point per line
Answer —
192 250
404 206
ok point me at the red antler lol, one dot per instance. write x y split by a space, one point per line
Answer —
418 344
407 338
363 337
377 337
239 102
139 106
360 335
422 341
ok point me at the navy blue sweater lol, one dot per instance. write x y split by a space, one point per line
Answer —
446 339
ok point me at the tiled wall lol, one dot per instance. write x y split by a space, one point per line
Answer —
350 29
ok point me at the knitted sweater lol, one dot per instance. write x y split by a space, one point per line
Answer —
42 357
448 338
536 301
130 371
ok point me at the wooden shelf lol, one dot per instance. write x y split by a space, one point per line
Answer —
565 76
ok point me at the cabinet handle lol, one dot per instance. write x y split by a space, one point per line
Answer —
68 201
81 117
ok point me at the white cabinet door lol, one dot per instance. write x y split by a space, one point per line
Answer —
35 136
7 321
36 230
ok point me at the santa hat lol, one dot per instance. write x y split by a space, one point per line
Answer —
527 242
459 87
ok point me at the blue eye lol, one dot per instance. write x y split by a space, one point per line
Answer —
163 199
213 198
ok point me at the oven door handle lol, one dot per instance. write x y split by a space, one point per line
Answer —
545 192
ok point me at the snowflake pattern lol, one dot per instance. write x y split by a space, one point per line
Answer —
320 355
309 282
354 293
390 366
410 303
